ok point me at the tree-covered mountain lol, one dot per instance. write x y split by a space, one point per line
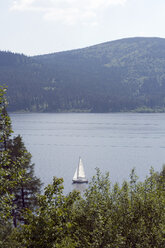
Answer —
122 75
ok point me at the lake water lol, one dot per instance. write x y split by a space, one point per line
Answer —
113 142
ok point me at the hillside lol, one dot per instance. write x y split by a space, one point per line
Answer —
122 75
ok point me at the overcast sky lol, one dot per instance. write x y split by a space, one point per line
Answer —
43 26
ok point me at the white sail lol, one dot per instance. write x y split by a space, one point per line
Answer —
75 175
81 172
79 175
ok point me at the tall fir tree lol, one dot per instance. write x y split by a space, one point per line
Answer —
17 178
29 185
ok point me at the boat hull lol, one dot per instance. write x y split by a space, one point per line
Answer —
79 181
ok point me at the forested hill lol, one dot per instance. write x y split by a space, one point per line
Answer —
122 75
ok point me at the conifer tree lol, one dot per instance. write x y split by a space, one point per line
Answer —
18 183
29 185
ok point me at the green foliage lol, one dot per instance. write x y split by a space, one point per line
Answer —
5 123
51 224
5 131
18 185
128 216
27 184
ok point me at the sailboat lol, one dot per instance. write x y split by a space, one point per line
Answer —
79 175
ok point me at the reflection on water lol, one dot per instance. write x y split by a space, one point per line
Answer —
81 187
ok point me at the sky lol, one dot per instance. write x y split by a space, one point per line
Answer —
34 27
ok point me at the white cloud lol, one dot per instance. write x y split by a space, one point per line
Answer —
67 11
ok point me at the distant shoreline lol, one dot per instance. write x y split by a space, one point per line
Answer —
145 111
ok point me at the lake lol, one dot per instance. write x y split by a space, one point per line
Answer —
112 142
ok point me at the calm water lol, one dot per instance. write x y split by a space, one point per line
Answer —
112 142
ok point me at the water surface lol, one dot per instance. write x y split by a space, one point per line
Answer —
113 142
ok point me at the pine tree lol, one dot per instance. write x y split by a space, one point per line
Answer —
5 122
18 184
29 185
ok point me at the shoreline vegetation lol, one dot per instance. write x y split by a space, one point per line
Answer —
142 111
125 216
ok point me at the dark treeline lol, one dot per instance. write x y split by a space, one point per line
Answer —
128 216
122 75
